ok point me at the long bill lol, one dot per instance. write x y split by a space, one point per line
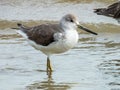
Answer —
87 30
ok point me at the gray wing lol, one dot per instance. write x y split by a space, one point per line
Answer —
42 34
117 13
114 9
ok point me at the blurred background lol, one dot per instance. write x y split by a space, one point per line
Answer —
94 64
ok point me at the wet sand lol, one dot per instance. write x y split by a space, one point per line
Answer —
94 64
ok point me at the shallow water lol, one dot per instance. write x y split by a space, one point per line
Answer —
94 64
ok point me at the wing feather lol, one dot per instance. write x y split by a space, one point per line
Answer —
42 34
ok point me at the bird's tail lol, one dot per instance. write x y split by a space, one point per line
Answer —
20 26
100 11
21 29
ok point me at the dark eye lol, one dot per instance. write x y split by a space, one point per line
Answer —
71 20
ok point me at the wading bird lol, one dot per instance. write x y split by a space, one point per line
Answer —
53 38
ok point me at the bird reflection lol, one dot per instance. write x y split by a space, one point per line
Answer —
49 84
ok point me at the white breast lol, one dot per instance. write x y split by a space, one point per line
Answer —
71 39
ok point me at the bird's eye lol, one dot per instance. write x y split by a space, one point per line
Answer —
71 20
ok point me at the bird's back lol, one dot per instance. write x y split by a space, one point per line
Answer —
41 34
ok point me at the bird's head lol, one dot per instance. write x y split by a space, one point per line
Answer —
70 22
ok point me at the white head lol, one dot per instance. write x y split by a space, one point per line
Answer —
69 21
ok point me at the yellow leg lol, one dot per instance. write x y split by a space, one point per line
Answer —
49 68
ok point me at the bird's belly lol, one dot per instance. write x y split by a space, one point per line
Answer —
58 47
